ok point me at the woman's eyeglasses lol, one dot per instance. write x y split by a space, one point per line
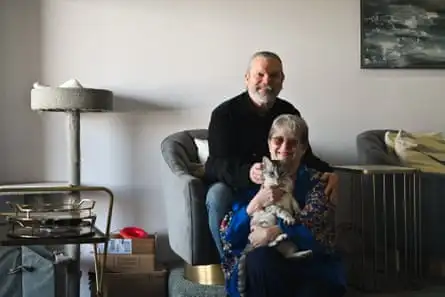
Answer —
279 140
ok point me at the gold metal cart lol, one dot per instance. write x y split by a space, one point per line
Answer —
95 237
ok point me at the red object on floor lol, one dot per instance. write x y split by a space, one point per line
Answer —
133 232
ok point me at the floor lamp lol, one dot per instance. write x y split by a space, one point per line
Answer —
73 99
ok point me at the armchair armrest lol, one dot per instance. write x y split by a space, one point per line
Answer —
184 200
186 213
176 157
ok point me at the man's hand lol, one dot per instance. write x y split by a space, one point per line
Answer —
260 236
256 173
332 185
197 170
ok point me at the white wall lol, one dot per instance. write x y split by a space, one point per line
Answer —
21 130
169 63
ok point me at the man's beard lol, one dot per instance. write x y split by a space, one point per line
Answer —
267 97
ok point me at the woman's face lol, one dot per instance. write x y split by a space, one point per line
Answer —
284 145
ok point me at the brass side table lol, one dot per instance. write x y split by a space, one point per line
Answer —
385 220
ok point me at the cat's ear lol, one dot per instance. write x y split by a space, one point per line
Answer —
267 162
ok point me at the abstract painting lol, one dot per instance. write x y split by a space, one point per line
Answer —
403 34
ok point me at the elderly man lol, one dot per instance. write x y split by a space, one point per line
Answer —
238 133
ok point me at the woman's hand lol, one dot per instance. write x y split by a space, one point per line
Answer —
264 197
260 236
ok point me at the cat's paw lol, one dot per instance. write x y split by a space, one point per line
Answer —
278 239
301 254
304 254
273 243
289 220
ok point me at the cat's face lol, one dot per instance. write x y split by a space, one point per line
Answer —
275 173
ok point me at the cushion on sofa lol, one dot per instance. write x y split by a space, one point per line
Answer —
424 151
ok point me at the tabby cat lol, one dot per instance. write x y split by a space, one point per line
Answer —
275 174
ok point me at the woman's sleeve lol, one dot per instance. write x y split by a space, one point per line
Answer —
316 229
235 229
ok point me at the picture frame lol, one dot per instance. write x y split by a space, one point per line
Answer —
402 34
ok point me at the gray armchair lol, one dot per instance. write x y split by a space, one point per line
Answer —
187 222
371 149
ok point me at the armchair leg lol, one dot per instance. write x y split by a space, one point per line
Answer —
204 274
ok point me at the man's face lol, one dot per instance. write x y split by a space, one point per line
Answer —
264 80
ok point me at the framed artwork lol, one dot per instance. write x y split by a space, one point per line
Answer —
408 34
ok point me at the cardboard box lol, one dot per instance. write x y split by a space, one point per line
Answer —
129 255
129 263
120 246
153 284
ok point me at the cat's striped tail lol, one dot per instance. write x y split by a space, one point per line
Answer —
242 271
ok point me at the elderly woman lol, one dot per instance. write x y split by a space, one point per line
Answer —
269 273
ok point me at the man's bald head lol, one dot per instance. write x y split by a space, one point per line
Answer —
265 55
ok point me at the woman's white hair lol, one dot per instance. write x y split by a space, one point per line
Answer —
293 124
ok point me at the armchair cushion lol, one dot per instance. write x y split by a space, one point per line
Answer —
202 146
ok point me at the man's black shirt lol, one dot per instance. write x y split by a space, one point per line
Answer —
238 138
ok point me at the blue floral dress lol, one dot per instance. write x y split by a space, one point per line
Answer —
315 231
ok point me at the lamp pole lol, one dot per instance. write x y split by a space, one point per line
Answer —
74 272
